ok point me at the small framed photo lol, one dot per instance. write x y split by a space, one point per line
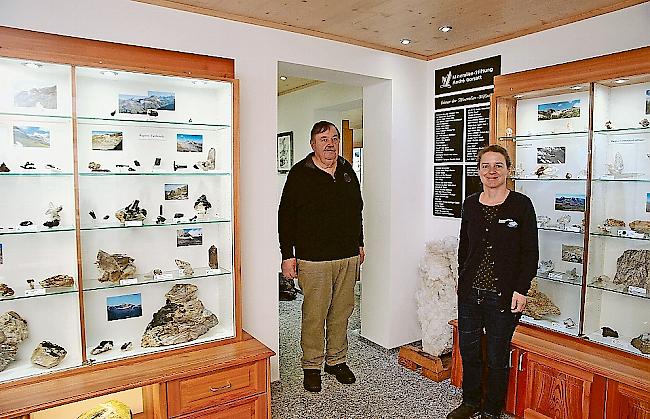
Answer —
285 151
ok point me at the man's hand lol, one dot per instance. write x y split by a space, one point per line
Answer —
518 302
362 255
289 268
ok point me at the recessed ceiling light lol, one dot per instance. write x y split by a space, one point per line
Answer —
283 78
518 96
576 87
621 81
405 41
109 73
33 65
445 28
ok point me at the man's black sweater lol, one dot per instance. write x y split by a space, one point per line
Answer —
320 215
513 235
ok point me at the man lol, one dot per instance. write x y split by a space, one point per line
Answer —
321 240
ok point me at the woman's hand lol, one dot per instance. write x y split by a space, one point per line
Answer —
518 302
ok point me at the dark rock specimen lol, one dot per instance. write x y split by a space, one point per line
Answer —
4 168
202 205
179 215
183 318
126 346
642 343
213 257
104 346
92 214
5 290
633 268
131 212
28 166
48 354
26 223
609 332
114 267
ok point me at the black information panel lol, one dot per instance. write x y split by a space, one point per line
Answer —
472 181
467 76
447 195
449 136
478 131
463 99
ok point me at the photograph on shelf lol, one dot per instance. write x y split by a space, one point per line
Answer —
558 110
107 140
571 253
647 202
33 94
570 202
155 101
192 143
120 307
647 102
176 191
285 152
551 155
25 136
189 237
1 257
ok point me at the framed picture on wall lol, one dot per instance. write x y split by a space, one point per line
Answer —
285 151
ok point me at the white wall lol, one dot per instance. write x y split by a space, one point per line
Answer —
394 231
619 31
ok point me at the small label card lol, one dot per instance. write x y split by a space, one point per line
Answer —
575 229
35 291
28 228
216 271
555 275
128 281
636 290
164 277
151 136
182 220
133 223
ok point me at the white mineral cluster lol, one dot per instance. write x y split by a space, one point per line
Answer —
436 294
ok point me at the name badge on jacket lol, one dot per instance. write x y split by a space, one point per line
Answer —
509 222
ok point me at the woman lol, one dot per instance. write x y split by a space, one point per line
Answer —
497 260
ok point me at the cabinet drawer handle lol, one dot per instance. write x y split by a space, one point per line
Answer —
510 358
520 367
216 389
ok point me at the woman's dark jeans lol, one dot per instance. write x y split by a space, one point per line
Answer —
477 311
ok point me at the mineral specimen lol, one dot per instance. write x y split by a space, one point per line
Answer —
54 215
127 346
96 167
613 222
202 205
546 170
111 409
5 290
569 323
52 167
608 125
644 123
539 304
179 166
115 267
609 332
30 283
633 269
57 281
48 354
104 346
563 221
640 226
13 330
568 175
131 212
26 223
543 220
8 352
157 271
179 215
546 266
208 164
183 318
436 294
92 214
213 257
185 267
572 274
616 168
642 343
160 218
28 166
4 168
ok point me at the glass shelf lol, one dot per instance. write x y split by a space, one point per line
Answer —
633 130
621 343
556 325
34 115
561 230
622 289
9 174
557 179
148 122
597 233
19 293
544 136
175 275
561 277
179 173
114 226
15 230
631 178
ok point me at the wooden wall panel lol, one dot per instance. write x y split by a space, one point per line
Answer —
625 402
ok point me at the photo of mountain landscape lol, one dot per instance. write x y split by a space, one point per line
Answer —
570 202
33 95
558 110
120 307
647 102
139 104
189 143
551 155
176 191
31 136
107 140
572 253
189 237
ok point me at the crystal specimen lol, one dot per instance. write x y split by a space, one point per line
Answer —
208 164
57 281
54 215
616 168
185 267
114 267
183 318
131 212
48 354
213 257
104 346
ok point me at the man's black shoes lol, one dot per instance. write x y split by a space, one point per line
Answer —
311 380
341 372
464 411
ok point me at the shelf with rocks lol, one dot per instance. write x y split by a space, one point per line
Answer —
26 173
99 226
629 130
557 179
546 136
556 325
151 278
150 122
625 177
562 277
560 230
620 288
42 116
621 342
27 292
37 230
136 173
630 235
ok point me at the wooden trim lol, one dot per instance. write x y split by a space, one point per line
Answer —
347 140
235 198
154 401
268 388
539 28
274 25
30 45
627 63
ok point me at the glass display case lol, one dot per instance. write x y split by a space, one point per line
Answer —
117 228
582 154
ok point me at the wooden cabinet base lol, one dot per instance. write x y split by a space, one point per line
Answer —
252 407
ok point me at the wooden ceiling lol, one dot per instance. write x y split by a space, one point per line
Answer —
382 24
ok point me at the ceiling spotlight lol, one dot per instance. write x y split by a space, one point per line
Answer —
621 81
445 28
109 73
283 78
405 41
518 96
33 65
576 87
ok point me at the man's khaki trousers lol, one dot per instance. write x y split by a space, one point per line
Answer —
328 289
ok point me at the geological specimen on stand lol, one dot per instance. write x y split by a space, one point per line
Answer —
112 409
642 343
640 226
13 330
633 269
436 295
54 215
48 354
616 168
213 257
114 267
104 346
6 290
208 164
539 304
57 281
202 205
185 267
183 318
131 212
